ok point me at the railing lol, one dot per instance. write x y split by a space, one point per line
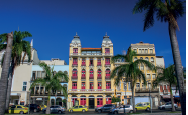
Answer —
75 65
98 64
99 77
90 77
74 77
91 54
107 64
83 64
90 90
165 91
107 77
83 77
146 90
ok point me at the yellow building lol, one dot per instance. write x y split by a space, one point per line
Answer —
89 74
144 51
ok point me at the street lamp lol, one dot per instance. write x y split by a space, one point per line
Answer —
149 95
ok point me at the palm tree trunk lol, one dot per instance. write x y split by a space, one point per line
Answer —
133 101
172 100
11 73
48 102
5 72
178 66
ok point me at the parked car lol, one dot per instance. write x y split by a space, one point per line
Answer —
33 107
167 106
78 108
18 109
105 108
122 109
55 109
143 106
42 107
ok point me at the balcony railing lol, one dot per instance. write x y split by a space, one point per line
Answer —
90 90
83 77
90 64
107 64
98 64
146 90
74 77
99 54
107 77
165 91
83 64
99 77
90 77
75 65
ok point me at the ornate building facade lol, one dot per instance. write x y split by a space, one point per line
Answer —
89 74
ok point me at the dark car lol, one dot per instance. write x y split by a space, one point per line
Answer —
105 108
33 107
55 109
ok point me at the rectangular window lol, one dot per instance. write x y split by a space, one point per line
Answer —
99 62
43 74
146 51
75 61
38 74
153 76
161 88
148 76
107 61
34 75
91 85
135 50
140 51
74 86
83 62
75 50
129 86
151 51
107 50
149 85
91 62
24 86
137 85
108 85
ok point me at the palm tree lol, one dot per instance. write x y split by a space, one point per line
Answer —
167 11
19 46
5 71
130 70
51 81
168 76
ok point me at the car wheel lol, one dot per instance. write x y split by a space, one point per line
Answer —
99 111
131 111
21 112
35 110
115 112
59 112
147 108
83 110
71 111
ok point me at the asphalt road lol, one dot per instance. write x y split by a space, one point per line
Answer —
93 112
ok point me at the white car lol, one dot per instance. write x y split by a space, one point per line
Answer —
167 106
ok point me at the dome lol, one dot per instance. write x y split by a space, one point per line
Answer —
106 39
76 39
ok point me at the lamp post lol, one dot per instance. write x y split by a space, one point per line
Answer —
150 96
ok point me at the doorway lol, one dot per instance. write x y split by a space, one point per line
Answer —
91 103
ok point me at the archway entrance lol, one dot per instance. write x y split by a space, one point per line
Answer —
91 102
59 101
83 100
74 101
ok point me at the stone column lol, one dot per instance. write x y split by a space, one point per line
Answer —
104 99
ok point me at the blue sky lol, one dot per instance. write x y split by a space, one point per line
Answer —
53 23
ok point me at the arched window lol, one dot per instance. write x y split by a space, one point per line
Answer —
135 58
74 72
91 74
99 74
141 57
147 59
108 73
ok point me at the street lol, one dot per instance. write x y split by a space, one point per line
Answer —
93 112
